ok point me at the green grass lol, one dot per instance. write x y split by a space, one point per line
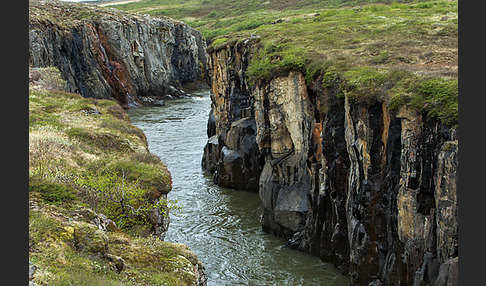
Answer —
100 161
65 142
219 17
352 46
53 192
152 176
276 59
437 98
67 14
147 261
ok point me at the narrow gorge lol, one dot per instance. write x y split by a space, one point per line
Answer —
354 166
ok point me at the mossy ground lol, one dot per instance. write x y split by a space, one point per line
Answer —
356 42
54 234
85 154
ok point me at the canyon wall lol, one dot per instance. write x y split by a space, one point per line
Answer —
372 191
105 53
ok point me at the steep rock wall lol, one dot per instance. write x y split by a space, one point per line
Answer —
104 53
284 117
372 191
231 154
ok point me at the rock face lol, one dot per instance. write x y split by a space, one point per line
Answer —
372 191
284 128
105 53
232 154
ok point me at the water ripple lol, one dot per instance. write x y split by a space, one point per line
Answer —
219 224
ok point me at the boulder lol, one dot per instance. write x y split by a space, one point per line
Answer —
90 239
118 262
32 269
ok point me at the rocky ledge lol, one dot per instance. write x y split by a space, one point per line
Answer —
371 190
98 205
105 53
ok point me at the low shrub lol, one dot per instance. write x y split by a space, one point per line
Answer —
53 192
123 201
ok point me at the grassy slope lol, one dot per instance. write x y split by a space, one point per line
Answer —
78 149
357 43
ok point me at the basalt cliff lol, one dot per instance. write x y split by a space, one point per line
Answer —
106 53
370 190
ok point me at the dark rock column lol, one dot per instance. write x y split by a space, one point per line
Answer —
325 234
231 154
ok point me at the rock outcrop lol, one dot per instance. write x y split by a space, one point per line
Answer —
232 154
370 190
105 53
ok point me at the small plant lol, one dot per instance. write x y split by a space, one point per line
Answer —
121 200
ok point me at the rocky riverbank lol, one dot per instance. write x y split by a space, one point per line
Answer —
369 189
98 207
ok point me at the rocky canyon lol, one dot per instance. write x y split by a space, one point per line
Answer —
371 190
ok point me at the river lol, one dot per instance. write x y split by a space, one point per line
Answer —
219 224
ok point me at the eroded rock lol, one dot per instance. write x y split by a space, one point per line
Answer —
372 191
105 53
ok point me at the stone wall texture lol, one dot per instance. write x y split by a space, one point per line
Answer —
372 191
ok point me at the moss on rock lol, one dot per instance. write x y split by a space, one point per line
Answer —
89 239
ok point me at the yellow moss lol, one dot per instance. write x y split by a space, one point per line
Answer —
68 234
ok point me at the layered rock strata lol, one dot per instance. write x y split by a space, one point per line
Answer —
105 53
370 190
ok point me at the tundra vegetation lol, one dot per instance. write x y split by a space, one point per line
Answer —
92 186
403 52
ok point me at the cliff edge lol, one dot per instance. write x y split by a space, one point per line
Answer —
344 173
105 53
98 207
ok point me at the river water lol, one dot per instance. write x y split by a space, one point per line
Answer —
219 224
